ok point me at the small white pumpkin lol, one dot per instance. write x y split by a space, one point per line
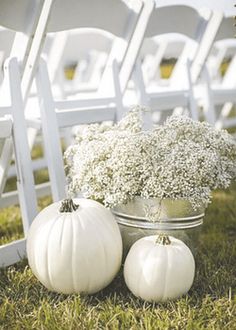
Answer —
75 246
158 268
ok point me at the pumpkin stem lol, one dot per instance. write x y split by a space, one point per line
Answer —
163 239
67 205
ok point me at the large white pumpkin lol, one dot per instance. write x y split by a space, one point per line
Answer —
158 268
75 250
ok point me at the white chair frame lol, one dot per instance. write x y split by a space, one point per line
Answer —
13 130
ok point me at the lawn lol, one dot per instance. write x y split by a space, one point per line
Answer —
210 304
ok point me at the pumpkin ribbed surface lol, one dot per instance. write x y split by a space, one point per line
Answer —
158 272
72 252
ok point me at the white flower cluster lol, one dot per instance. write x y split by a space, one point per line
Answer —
182 159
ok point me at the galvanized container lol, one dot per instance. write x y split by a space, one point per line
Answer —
143 217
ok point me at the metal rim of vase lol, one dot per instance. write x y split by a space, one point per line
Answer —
165 224
132 217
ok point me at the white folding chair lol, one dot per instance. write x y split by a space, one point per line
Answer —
29 20
14 138
126 23
7 39
186 21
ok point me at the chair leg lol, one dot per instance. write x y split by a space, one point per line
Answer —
51 134
25 179
117 90
192 101
5 160
209 109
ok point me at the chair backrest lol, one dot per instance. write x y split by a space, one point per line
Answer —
13 136
227 7
226 29
175 44
223 50
175 19
155 50
228 44
180 20
67 15
79 41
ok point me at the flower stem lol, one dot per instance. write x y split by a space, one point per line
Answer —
163 239
67 205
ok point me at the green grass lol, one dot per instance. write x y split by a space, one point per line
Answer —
210 304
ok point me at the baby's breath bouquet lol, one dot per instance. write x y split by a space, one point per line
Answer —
181 159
